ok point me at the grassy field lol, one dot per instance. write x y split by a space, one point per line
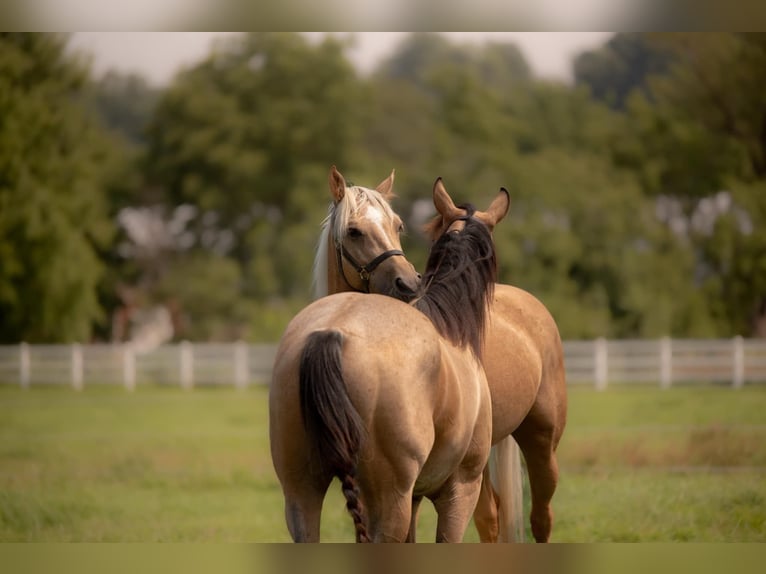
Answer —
162 464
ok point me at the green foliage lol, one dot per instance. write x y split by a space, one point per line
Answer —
734 251
234 134
595 254
206 289
717 84
620 68
246 137
124 103
637 194
53 224
702 145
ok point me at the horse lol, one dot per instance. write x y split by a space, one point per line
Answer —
390 397
361 226
524 364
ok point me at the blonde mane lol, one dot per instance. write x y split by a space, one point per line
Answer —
339 216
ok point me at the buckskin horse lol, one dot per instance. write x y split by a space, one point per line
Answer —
391 397
524 364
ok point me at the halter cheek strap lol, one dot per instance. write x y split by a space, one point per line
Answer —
365 271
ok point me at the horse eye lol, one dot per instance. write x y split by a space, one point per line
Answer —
354 233
401 228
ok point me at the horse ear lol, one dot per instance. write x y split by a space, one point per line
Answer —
386 187
337 184
443 202
499 207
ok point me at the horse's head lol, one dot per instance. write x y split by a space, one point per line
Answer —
450 217
363 247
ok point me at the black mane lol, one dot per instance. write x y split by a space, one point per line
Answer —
459 282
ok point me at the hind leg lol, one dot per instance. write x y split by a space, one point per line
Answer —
539 453
412 534
456 500
538 436
303 510
454 506
485 516
387 498
390 518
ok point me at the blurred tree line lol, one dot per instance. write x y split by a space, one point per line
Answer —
638 193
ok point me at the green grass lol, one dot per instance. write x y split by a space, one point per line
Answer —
162 464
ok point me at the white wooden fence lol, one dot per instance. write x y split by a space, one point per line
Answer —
666 361
599 362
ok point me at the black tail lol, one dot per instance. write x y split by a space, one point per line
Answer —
331 420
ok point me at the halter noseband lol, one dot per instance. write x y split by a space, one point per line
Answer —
365 271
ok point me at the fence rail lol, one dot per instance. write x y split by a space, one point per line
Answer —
598 362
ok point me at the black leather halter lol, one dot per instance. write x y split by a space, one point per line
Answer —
365 271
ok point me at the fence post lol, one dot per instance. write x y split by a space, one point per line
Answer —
666 362
24 365
128 367
738 378
600 363
77 367
186 359
241 366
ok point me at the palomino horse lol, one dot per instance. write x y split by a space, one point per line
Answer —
524 363
362 226
391 398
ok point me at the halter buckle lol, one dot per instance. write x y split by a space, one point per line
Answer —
365 271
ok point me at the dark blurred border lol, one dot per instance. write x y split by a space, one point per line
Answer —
380 15
349 559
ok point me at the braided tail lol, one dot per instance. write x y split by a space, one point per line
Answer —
332 421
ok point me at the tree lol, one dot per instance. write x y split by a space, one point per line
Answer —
234 131
581 234
245 139
717 82
619 68
695 141
435 108
53 214
704 146
124 104
584 239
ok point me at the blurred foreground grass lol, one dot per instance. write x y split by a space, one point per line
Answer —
162 464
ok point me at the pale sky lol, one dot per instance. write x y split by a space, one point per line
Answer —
159 55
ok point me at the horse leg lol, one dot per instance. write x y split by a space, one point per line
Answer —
454 505
485 517
303 511
388 498
389 518
412 534
537 444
